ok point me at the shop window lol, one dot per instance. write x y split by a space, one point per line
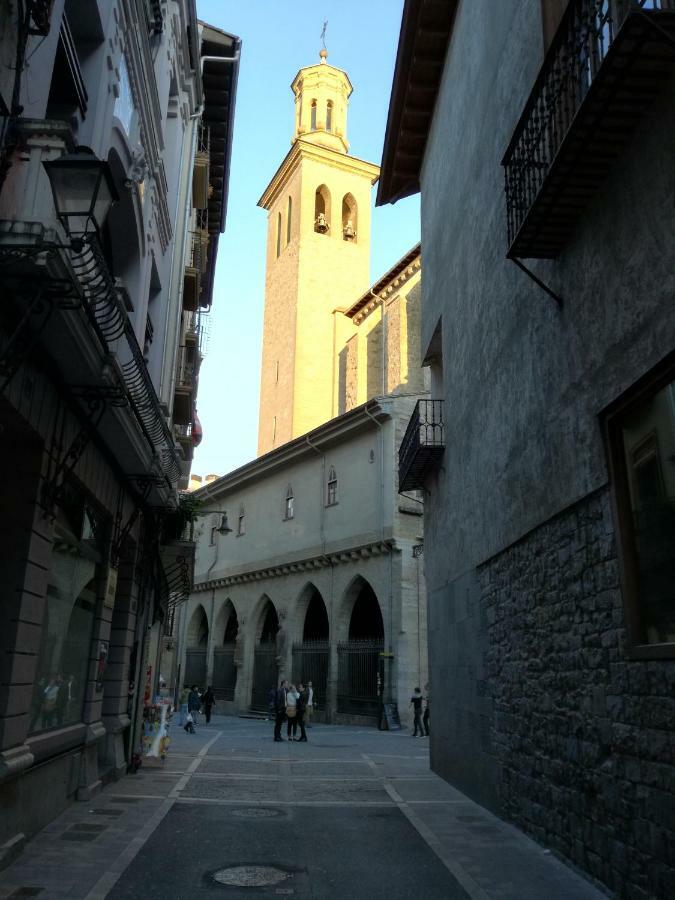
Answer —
289 504
331 487
72 592
641 442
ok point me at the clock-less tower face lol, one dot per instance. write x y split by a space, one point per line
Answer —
318 254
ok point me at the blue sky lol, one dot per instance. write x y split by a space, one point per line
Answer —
278 38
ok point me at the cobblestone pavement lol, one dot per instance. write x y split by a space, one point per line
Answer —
353 812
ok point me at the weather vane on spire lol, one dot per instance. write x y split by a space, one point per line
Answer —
324 52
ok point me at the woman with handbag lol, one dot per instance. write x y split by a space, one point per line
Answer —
292 712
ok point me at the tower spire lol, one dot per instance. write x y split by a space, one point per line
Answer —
323 53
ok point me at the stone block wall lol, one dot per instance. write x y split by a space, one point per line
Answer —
581 734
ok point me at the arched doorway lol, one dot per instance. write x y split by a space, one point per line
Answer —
310 655
196 645
224 679
265 669
360 676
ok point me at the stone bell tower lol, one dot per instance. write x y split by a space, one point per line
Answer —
318 252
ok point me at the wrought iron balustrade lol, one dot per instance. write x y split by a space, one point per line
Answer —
606 62
422 445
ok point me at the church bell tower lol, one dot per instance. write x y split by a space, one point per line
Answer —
318 253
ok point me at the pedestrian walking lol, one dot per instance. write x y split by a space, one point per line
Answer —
416 703
194 702
292 712
280 709
301 706
425 717
208 700
309 708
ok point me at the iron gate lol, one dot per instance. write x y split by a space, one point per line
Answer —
195 668
310 663
265 675
224 672
358 668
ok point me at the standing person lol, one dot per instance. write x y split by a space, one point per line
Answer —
208 699
271 703
425 717
301 706
292 712
280 709
189 724
309 708
416 703
194 702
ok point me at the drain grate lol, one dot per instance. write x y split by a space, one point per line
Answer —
88 826
123 799
258 812
81 836
108 812
250 876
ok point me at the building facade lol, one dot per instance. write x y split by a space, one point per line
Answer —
546 172
99 174
308 562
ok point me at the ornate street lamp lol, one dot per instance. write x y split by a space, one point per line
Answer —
84 192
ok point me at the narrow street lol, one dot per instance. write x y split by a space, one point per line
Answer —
353 812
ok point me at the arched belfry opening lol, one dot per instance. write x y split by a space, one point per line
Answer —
265 655
196 646
322 210
224 679
349 218
360 664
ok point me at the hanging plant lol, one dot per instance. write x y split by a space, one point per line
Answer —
177 521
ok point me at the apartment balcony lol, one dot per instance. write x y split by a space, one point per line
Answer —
607 61
201 173
422 445
186 387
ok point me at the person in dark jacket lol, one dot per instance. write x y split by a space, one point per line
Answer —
280 710
301 706
208 699
194 702
416 703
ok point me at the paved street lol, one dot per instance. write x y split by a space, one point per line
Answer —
353 812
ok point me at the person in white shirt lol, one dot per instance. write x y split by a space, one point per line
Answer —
291 712
309 709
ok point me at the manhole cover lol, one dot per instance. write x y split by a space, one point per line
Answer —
257 813
250 876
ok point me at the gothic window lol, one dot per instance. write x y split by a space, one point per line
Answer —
331 492
289 503
288 220
329 115
349 218
278 233
241 521
322 210
313 116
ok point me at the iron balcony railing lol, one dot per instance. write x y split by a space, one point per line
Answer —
422 445
595 78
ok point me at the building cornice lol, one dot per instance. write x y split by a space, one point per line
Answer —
336 429
302 150
390 283
308 564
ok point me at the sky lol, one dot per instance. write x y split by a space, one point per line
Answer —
279 37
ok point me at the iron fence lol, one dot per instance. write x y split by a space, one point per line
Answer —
195 668
224 672
586 33
310 663
265 675
358 677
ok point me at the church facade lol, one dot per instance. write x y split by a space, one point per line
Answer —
309 562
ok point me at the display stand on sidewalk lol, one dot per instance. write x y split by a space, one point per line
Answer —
156 738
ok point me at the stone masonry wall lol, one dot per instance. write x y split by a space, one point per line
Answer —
582 735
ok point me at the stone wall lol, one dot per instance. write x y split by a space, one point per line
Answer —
581 735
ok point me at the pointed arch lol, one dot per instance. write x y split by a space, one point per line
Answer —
360 613
322 209
312 119
226 624
289 503
311 614
267 621
329 115
349 218
198 629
